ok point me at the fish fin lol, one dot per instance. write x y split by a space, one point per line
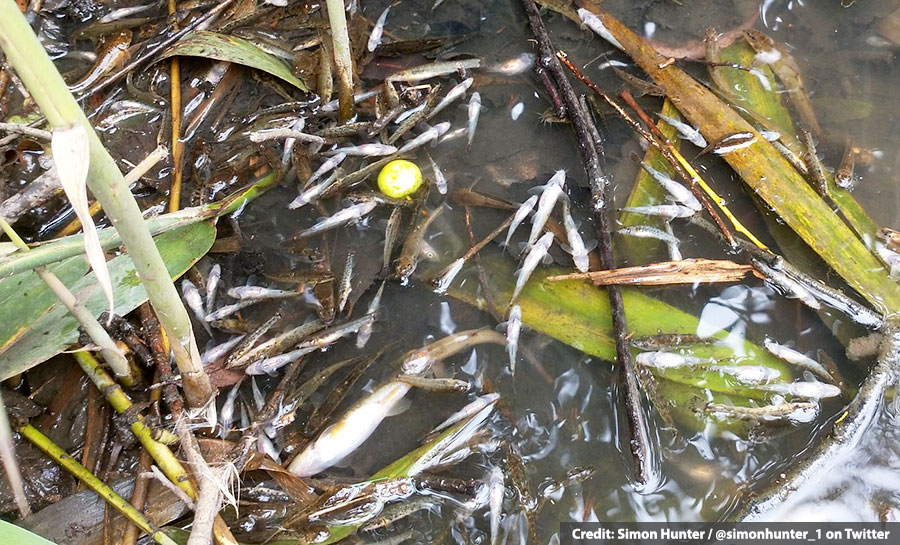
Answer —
536 190
547 259
400 407
502 326
591 245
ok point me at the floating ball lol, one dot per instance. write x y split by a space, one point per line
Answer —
399 178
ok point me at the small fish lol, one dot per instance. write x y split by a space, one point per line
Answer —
550 193
576 246
730 143
440 181
420 360
844 175
452 95
668 211
766 412
512 67
521 213
496 489
346 286
474 111
433 133
442 282
194 301
436 384
327 166
687 132
798 359
228 310
471 409
212 286
594 23
311 194
644 231
347 215
666 340
433 70
114 52
259 400
785 284
535 255
513 330
749 374
674 251
808 390
410 112
678 192
259 292
390 236
409 254
218 351
249 341
264 444
378 31
365 330
226 414
366 150
666 360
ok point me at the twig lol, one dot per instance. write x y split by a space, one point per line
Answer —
102 489
10 466
25 130
666 273
175 108
639 443
343 59
492 306
35 194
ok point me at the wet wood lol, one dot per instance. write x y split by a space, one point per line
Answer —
666 273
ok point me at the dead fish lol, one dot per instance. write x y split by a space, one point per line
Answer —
749 374
667 360
419 360
378 31
250 340
668 211
433 70
513 330
259 292
666 340
390 236
512 67
730 143
226 414
228 310
113 53
521 213
347 215
366 150
798 359
844 175
594 23
436 384
212 286
365 330
219 351
345 286
678 192
535 255
808 390
802 410
311 194
687 132
644 231
281 342
427 136
471 409
442 282
785 284
195 302
327 166
474 111
452 95
409 254
550 193
576 246
440 181
496 489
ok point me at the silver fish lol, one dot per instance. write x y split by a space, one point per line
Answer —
749 374
409 254
734 142
218 351
327 166
365 330
808 390
410 112
436 384
666 360
644 231
228 310
513 329
193 299
419 360
347 215
334 104
259 292
433 70
576 246
212 286
267 447
521 213
346 286
366 150
312 193
390 235
226 415
442 282
551 192
535 255
472 408
687 132
378 31
676 190
496 489
474 111
512 67
594 23
785 284
259 400
795 411
433 133
674 251
798 359
668 211
440 181
452 95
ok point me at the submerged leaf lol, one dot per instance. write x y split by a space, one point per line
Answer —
212 45
14 535
54 329
72 153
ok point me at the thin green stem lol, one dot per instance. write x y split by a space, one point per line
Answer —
343 59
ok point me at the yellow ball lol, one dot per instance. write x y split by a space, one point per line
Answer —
399 178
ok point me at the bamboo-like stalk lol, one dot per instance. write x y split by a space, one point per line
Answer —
34 67
343 59
10 466
108 349
81 473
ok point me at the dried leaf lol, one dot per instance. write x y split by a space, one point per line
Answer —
686 271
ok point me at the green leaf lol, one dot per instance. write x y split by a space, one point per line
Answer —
52 330
212 45
14 535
